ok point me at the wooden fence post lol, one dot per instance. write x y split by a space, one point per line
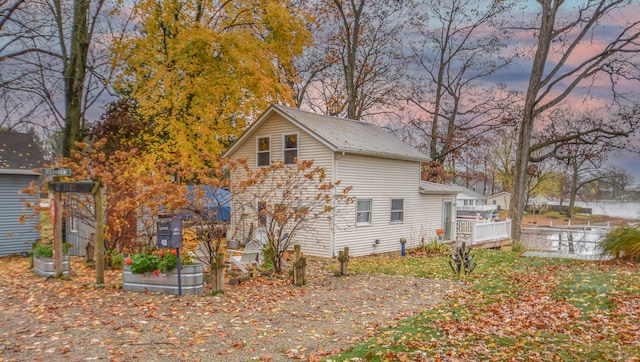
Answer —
299 267
343 257
217 274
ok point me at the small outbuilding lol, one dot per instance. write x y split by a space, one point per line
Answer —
19 156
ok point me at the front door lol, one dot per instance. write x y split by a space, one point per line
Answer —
447 220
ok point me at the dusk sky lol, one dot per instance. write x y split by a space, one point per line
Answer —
592 96
516 77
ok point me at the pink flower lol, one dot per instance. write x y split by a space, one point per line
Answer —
127 261
156 272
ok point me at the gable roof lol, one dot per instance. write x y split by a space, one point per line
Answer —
468 194
432 188
339 135
19 154
499 194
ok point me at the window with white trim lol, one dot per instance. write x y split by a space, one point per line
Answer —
363 212
397 210
290 148
264 151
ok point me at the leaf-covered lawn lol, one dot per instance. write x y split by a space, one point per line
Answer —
517 308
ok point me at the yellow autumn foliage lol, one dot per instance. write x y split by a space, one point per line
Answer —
200 69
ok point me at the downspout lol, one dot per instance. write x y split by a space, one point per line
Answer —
333 218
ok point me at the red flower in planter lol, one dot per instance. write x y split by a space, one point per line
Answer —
173 251
127 261
156 272
162 253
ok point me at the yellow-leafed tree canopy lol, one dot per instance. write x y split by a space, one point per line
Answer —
198 69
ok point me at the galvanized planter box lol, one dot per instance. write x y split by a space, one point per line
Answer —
192 277
46 267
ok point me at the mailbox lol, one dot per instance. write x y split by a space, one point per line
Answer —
169 232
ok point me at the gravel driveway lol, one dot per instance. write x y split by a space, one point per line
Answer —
261 319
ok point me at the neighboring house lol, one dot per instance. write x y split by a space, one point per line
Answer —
501 200
391 201
471 204
19 155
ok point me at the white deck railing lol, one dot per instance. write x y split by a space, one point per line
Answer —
480 231
476 207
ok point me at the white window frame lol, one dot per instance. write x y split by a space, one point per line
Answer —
285 149
369 212
258 151
396 211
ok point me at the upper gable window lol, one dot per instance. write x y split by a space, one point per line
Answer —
290 148
264 151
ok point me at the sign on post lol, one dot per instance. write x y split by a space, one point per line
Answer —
82 186
56 171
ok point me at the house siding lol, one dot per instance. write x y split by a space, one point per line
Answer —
16 237
315 236
382 180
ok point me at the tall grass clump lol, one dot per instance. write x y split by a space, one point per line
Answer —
622 242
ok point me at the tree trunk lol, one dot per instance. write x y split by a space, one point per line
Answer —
518 189
574 191
74 74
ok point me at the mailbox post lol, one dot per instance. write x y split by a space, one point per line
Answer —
169 234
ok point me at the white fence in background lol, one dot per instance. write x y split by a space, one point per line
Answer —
479 231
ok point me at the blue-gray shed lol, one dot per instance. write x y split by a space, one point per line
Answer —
19 156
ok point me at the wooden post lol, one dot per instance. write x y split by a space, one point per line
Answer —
90 249
217 274
99 246
57 235
343 257
299 267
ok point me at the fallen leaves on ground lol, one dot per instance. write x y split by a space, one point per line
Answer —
524 309
265 318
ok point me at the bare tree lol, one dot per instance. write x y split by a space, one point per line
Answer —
583 156
287 201
355 67
560 32
54 50
457 45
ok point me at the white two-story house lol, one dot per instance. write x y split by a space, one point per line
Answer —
391 201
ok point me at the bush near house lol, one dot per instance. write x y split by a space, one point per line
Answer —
623 242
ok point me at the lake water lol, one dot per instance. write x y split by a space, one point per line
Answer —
579 241
627 210
564 241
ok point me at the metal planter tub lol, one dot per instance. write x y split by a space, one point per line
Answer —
46 266
192 278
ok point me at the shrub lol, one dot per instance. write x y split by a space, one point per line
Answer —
45 250
436 247
162 261
115 259
622 242
518 247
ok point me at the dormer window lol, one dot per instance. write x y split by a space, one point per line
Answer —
290 148
264 151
